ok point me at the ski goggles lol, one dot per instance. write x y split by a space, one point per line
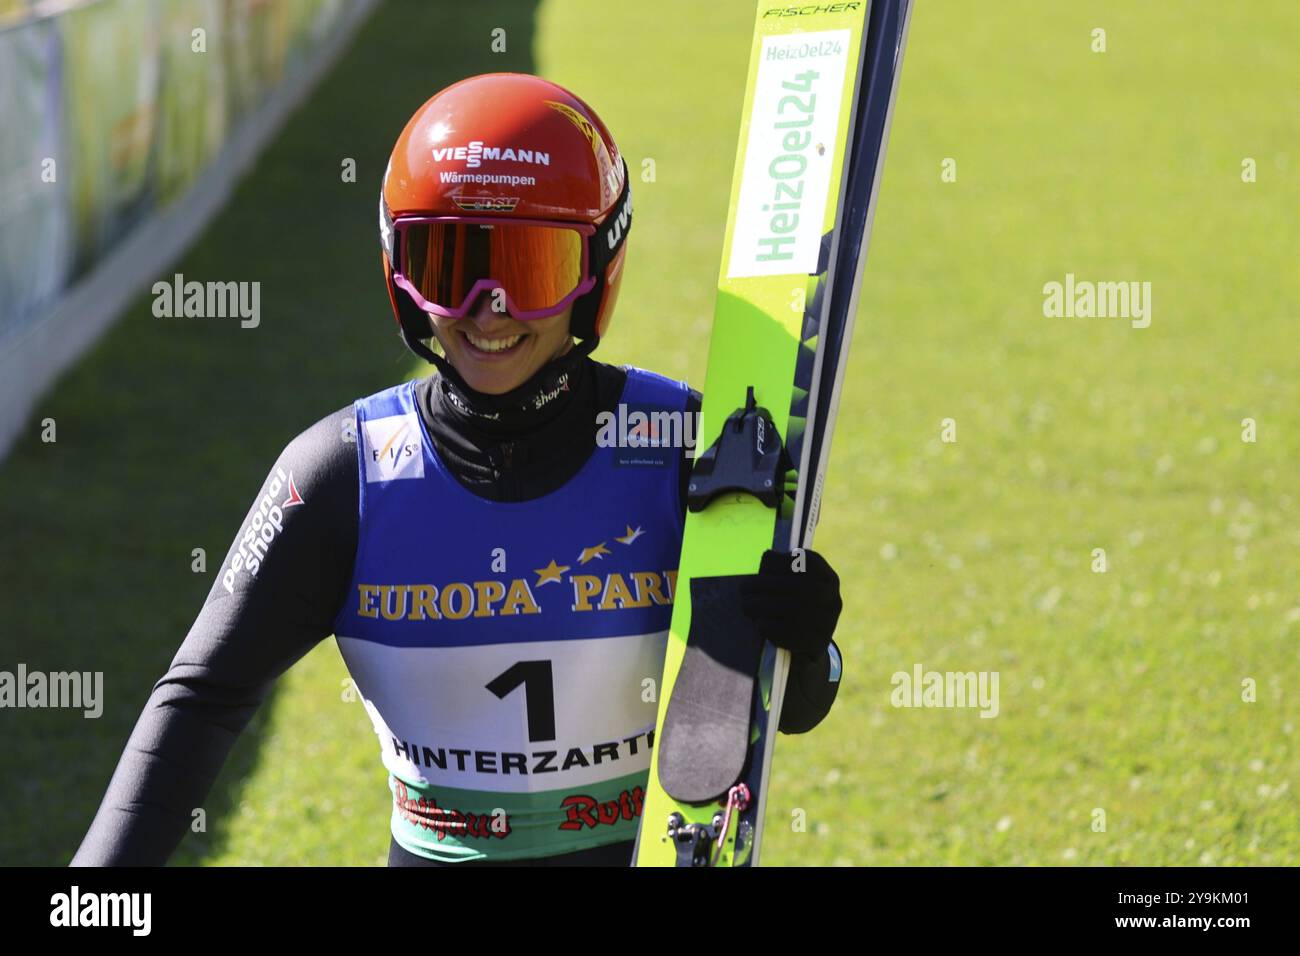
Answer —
444 262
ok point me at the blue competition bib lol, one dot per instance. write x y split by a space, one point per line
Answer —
509 654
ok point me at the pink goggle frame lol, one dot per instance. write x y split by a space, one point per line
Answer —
585 284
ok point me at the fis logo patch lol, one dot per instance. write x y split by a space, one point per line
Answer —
393 448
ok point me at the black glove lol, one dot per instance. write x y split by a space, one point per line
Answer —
796 610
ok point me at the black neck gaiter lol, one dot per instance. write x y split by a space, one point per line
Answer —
529 441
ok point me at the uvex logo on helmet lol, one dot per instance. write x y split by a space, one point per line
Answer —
619 222
476 152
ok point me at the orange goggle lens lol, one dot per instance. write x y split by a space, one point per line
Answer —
538 265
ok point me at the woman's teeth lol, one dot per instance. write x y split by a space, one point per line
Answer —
493 345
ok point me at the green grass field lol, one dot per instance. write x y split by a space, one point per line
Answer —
1121 691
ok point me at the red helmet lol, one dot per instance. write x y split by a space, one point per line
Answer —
505 181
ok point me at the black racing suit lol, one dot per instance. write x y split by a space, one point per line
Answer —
242 641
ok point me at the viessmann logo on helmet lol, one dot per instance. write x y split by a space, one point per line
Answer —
475 153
